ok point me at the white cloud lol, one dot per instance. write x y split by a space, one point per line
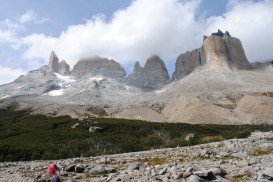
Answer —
146 27
252 23
31 16
163 27
8 74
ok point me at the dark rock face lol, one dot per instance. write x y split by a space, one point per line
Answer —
219 51
236 53
218 33
187 62
153 75
97 65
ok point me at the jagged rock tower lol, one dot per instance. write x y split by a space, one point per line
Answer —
153 75
53 64
220 52
62 68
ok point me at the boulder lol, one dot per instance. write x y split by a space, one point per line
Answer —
98 66
205 174
99 169
71 168
79 168
267 174
95 129
134 166
152 76
190 137
194 178
63 172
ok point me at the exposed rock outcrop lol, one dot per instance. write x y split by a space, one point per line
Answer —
54 66
153 75
220 52
236 53
64 68
187 62
216 54
98 65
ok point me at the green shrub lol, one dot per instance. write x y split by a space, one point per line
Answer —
34 137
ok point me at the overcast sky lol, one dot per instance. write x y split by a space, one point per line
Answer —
125 30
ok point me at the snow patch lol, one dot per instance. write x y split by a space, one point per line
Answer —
55 92
65 81
97 78
6 96
163 89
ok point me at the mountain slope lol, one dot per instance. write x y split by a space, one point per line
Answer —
213 84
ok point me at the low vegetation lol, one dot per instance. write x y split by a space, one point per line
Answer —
28 137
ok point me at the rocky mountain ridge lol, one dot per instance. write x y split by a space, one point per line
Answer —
214 84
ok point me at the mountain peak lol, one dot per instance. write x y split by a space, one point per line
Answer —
53 64
64 68
137 67
98 65
153 75
220 52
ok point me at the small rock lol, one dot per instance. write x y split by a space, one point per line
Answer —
194 178
185 175
163 171
110 170
103 160
79 168
268 147
218 171
242 163
206 174
75 125
220 179
95 129
190 170
190 137
267 174
99 169
63 172
134 166
71 168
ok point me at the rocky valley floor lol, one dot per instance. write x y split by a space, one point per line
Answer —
249 159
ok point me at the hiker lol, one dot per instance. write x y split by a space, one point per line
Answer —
52 168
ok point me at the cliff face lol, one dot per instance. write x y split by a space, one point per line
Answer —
236 53
187 62
153 75
101 66
216 54
64 68
220 52
53 64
